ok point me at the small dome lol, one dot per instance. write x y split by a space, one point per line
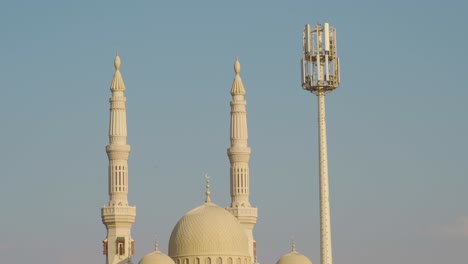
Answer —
206 231
294 258
156 257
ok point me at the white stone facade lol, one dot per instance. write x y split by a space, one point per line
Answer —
118 216
239 155
207 234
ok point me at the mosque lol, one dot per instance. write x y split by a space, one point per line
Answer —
207 234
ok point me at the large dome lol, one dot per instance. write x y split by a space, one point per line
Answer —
294 258
208 230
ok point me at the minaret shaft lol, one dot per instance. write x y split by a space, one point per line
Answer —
118 150
118 119
118 216
325 228
239 155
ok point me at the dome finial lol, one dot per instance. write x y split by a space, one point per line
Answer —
237 66
293 244
156 246
207 193
117 61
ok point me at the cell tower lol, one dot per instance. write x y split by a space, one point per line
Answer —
320 75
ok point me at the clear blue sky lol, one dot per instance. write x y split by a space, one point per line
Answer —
397 125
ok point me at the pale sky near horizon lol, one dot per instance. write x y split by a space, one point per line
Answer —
397 126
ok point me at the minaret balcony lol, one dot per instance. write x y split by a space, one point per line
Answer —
245 214
122 214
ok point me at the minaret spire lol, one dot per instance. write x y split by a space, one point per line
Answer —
239 155
118 216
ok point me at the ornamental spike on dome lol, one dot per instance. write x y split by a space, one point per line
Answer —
156 246
118 84
293 245
237 85
207 193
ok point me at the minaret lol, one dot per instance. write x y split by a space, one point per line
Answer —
239 155
118 216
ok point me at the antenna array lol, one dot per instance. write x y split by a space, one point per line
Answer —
321 74
320 62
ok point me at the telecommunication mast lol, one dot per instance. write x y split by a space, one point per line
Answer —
321 75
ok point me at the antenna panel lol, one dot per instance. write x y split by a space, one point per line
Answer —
326 30
307 36
338 70
303 71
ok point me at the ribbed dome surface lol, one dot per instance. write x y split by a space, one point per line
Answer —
294 258
206 231
156 257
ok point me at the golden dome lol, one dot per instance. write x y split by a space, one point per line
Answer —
294 258
156 257
208 230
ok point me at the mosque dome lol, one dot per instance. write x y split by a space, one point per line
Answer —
294 257
209 230
156 257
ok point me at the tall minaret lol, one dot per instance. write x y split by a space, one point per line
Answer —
239 155
118 216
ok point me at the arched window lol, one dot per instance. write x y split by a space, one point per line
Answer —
219 260
208 260
186 261
238 261
197 261
178 261
120 246
229 261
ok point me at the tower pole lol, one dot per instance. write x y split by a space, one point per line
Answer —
320 75
239 155
325 229
117 215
